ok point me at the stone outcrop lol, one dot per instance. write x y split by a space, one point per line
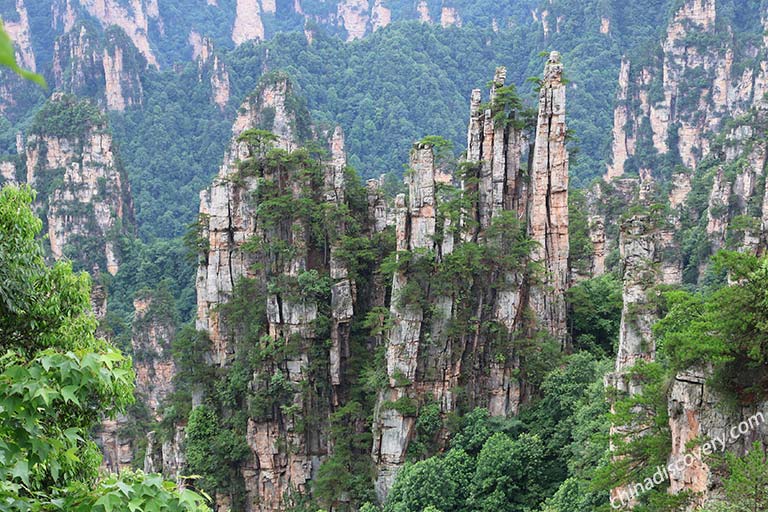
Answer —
20 33
449 16
548 218
210 63
641 255
697 412
17 25
85 196
248 23
152 331
656 104
717 194
287 448
105 66
166 456
439 339
134 19
154 328
228 217
353 16
118 451
443 330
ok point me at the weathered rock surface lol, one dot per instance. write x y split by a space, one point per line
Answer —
548 217
154 328
134 19
248 24
104 66
286 447
685 116
430 350
210 63
86 194
227 215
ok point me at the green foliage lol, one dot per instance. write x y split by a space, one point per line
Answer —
258 141
747 484
56 380
725 327
644 442
581 249
67 117
441 482
348 472
594 307
405 405
509 474
212 451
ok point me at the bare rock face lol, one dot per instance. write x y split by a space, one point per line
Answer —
439 339
248 24
107 66
226 215
210 63
353 16
273 284
548 218
134 18
449 16
86 196
117 451
696 413
656 101
20 32
641 254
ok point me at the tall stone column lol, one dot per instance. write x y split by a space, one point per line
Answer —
548 203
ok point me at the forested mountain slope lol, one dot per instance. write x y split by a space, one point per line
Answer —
351 84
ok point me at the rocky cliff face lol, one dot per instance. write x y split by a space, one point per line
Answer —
685 124
228 216
211 65
154 328
21 35
152 331
672 103
548 217
18 28
83 193
134 19
278 254
104 66
441 339
248 24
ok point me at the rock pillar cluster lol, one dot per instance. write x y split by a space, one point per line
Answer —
448 335
477 286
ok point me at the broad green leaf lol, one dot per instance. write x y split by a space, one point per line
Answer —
68 393
21 471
